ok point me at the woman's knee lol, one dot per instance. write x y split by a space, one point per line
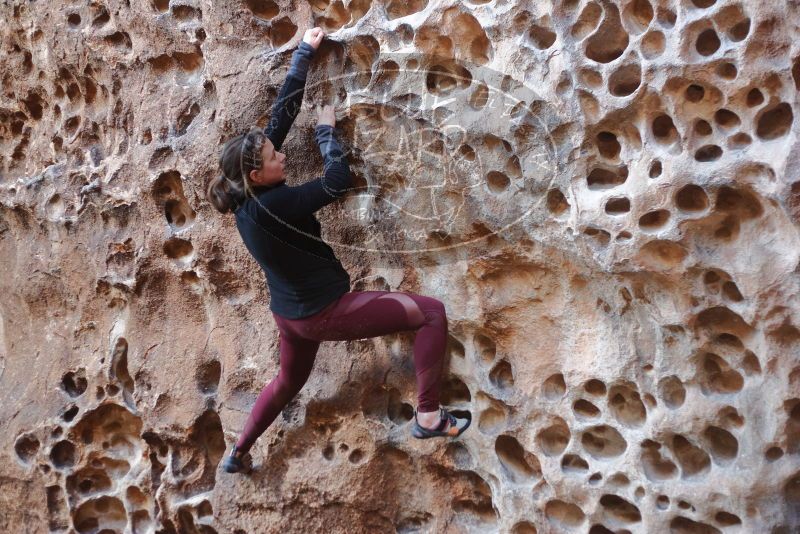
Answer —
435 312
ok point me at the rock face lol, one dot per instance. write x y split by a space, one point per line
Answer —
604 194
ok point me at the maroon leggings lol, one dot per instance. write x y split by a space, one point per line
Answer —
355 315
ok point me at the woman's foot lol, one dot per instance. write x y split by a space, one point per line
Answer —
440 423
238 461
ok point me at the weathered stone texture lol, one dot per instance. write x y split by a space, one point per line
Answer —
607 201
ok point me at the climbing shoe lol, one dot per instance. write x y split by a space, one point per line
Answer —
457 426
234 463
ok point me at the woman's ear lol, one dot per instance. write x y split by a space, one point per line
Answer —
254 176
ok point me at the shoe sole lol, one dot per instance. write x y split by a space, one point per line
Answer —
424 433
231 467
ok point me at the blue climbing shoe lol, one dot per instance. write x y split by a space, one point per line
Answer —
237 463
457 426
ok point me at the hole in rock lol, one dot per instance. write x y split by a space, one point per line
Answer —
654 220
664 129
607 145
731 292
497 182
723 445
63 454
74 383
796 73
610 40
207 376
695 93
739 141
104 514
564 514
119 40
554 439
485 347
726 118
263 9
502 375
656 467
618 205
282 31
70 414
442 79
626 406
572 463
727 71
707 42
454 390
479 96
739 31
638 15
556 202
554 387
693 460
625 80
620 509
603 441
671 391
773 454
774 122
653 44
590 77
356 455
523 527
750 364
716 376
519 465
754 98
26 447
587 20
541 36
691 198
184 13
655 169
739 202
186 118
666 18
178 249
606 178
707 153
585 410
468 36
595 387
702 127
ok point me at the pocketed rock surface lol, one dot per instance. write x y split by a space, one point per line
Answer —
617 250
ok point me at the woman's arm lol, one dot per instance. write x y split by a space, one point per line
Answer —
290 97
287 204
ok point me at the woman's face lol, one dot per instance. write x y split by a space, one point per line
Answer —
271 171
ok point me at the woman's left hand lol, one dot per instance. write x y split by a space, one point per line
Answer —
314 36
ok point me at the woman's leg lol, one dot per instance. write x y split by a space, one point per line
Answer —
296 360
365 314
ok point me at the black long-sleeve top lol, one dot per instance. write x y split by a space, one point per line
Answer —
278 225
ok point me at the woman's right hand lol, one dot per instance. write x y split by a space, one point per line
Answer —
314 36
325 115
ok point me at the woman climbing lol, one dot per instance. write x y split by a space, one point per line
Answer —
310 297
